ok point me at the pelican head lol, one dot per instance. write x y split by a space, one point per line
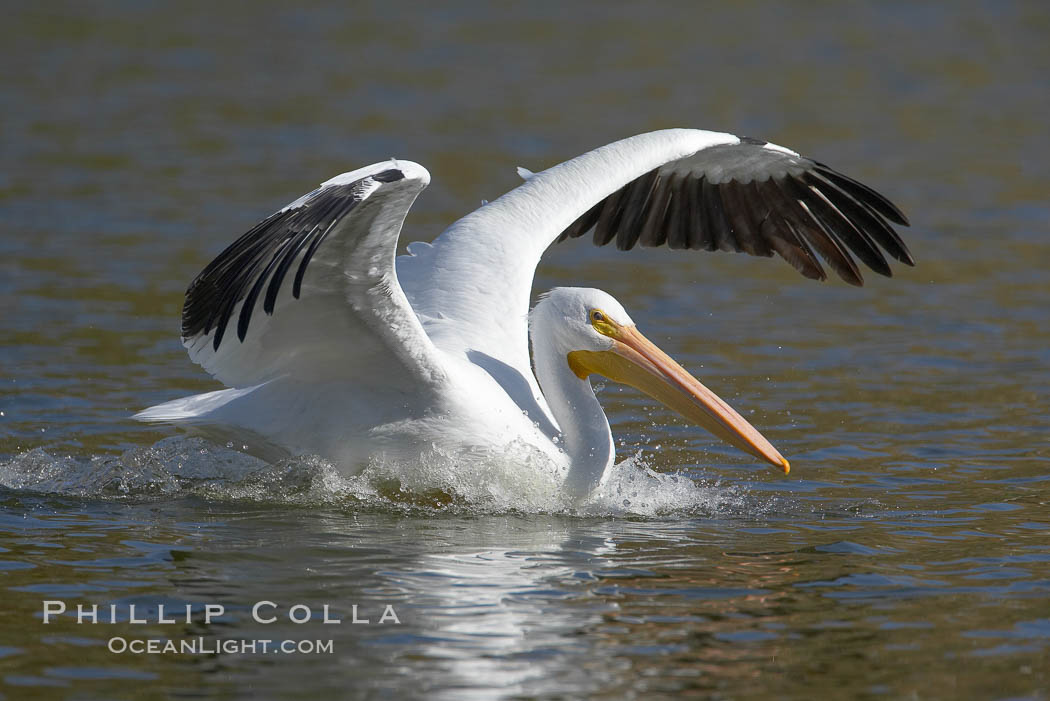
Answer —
598 337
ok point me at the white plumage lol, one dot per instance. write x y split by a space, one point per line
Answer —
332 345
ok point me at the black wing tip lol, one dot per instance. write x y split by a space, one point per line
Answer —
217 340
898 217
265 253
870 212
838 216
870 196
389 176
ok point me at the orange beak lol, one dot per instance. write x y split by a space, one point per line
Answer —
634 360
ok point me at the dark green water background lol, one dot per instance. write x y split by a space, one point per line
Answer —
906 556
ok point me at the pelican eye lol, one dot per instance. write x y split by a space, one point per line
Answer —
602 323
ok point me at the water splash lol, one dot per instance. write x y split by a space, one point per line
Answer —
519 481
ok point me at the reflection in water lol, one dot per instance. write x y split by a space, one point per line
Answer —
750 595
495 604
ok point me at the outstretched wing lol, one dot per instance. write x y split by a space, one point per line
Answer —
754 197
311 291
683 187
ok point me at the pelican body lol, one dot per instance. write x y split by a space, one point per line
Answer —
331 344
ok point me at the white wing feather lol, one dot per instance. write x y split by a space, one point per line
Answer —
351 319
471 288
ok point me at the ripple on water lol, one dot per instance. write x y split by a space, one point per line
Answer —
187 466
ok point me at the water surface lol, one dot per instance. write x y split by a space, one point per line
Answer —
908 552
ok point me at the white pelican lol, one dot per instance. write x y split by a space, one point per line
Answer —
333 345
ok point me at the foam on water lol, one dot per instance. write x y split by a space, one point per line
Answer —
186 466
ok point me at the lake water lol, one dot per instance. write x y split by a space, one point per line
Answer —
907 554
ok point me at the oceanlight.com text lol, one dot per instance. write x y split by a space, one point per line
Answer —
211 646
